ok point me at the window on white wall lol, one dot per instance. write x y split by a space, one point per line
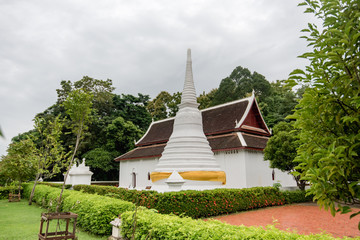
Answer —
133 181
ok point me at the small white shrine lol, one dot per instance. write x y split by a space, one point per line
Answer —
221 146
79 174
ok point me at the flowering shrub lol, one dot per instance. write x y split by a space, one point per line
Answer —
195 204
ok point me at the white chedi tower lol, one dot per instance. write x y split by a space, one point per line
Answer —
188 152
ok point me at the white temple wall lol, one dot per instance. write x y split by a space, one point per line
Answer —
233 163
136 172
259 173
243 169
286 180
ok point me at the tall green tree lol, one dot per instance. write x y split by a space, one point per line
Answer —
106 106
49 152
164 105
281 150
20 162
205 99
279 103
132 108
78 106
240 83
328 115
102 91
120 138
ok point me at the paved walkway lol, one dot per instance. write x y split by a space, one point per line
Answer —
303 218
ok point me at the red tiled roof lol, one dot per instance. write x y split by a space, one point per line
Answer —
158 132
142 152
219 124
217 143
254 141
221 142
219 119
223 118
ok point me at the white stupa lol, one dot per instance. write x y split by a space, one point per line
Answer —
188 152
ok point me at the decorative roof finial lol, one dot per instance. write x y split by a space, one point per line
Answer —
188 97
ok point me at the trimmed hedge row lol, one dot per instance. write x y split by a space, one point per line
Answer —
151 225
195 204
297 196
4 191
57 185
94 212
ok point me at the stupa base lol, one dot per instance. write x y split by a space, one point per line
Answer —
162 186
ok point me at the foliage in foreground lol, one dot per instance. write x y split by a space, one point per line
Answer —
152 225
328 115
94 212
198 204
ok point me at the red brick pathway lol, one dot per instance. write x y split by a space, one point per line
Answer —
304 218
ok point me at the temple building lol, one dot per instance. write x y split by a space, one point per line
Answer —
221 146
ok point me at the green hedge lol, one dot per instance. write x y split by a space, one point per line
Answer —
297 196
94 212
57 185
151 225
4 191
195 204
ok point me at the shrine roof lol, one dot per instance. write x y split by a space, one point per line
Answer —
234 125
220 119
224 142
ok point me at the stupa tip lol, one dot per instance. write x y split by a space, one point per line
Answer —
189 54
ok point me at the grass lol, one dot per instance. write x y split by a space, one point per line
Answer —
18 220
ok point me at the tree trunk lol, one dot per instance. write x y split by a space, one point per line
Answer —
300 183
19 190
68 170
33 189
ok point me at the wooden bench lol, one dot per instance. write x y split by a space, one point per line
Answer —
14 197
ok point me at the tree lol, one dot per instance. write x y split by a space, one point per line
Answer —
19 163
241 82
133 109
226 92
100 89
106 106
328 115
78 106
120 138
50 155
278 104
281 150
164 105
205 99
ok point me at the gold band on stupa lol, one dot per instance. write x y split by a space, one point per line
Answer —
212 176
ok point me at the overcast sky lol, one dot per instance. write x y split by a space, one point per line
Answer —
140 45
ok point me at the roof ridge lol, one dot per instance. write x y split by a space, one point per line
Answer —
206 109
226 104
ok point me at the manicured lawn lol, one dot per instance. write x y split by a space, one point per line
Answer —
18 220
